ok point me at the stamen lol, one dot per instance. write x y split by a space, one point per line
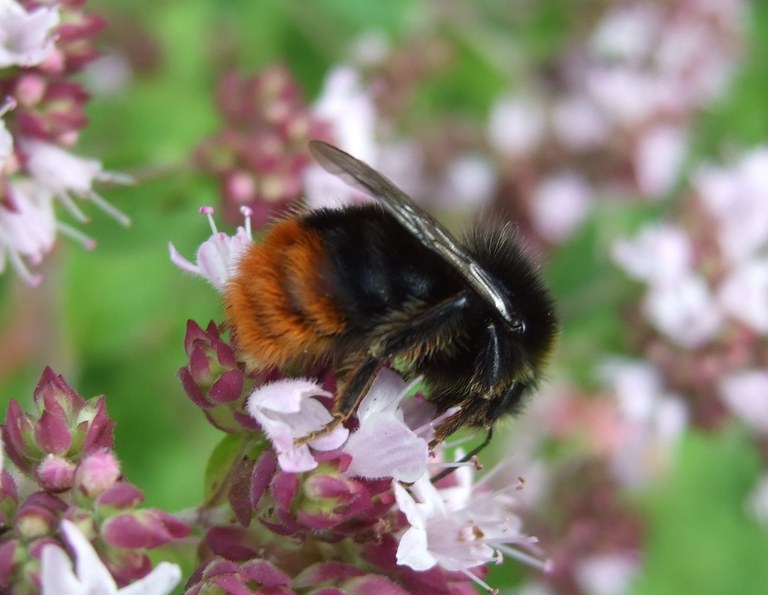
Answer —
22 271
543 565
75 234
109 209
479 582
73 209
247 212
440 418
208 212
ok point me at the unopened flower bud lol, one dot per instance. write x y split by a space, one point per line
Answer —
55 473
97 472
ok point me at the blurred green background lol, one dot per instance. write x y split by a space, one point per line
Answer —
112 320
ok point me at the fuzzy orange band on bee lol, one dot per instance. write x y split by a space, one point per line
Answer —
276 304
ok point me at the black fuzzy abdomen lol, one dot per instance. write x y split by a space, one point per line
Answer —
374 266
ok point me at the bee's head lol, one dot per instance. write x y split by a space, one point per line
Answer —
527 336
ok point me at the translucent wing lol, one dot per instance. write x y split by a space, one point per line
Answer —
422 225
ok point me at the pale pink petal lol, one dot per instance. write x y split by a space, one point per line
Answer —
685 311
385 394
660 253
90 570
658 158
516 125
560 204
413 551
26 38
284 396
56 574
744 294
746 395
606 574
399 452
163 578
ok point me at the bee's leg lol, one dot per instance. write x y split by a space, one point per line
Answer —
405 335
400 338
467 457
360 380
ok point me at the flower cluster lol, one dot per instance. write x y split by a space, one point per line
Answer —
614 115
705 306
68 490
260 155
42 44
353 509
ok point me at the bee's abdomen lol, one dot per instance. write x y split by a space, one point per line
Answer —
277 304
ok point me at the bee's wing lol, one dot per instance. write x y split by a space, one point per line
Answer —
428 231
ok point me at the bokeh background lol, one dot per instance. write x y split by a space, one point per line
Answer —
622 138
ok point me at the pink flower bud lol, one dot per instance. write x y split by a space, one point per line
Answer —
55 473
97 472
143 529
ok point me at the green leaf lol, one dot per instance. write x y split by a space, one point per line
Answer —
223 458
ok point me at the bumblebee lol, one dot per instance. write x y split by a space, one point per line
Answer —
384 282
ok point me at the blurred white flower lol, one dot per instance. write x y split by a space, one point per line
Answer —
349 109
744 294
659 253
578 123
684 310
737 196
516 125
627 32
26 38
746 395
606 574
628 96
653 421
468 182
560 204
658 158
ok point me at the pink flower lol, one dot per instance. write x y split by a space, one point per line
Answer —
744 294
651 421
65 174
348 110
560 204
736 196
468 182
658 158
28 230
91 575
606 574
384 445
578 123
660 253
287 410
458 528
516 126
218 256
684 310
746 395
26 38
